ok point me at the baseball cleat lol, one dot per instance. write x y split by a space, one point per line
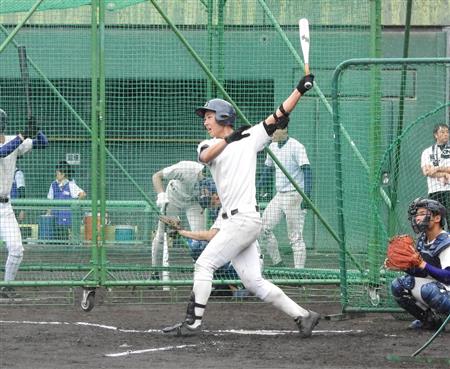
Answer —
306 324
182 329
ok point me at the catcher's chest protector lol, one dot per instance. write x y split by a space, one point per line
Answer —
430 253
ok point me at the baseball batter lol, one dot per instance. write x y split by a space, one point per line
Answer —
231 156
11 147
435 163
425 290
180 196
287 201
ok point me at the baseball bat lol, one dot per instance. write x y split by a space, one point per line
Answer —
25 78
165 256
303 28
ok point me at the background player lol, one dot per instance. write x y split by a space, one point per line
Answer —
11 147
287 201
179 197
425 291
231 155
64 187
435 163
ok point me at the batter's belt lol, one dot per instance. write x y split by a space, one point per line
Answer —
228 214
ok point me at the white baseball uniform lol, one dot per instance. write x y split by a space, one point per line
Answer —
233 171
433 156
292 155
183 177
9 228
438 187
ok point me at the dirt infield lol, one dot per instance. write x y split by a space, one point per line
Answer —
239 335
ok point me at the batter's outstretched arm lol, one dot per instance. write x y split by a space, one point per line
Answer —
289 104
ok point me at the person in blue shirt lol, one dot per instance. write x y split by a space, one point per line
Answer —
64 188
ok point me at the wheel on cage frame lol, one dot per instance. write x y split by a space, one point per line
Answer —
88 299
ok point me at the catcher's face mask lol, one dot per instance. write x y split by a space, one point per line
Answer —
421 220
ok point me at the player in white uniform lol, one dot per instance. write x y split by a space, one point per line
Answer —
287 201
180 196
435 163
231 155
11 147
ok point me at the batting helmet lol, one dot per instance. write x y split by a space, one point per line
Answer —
3 120
435 208
225 113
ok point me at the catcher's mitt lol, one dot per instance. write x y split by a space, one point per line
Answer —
401 253
172 222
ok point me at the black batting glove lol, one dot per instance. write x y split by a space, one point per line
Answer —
237 135
31 129
305 84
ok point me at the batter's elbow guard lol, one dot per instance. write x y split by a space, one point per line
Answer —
270 128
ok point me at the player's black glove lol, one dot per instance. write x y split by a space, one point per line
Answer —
304 205
305 84
31 129
237 135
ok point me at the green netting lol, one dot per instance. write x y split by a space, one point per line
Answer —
152 64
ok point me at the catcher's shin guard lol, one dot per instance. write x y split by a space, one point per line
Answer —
436 297
401 290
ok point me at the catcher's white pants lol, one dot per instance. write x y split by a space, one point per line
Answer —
10 234
196 220
237 242
288 204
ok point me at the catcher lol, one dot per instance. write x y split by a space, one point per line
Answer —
424 291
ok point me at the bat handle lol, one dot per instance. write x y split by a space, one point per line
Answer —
308 85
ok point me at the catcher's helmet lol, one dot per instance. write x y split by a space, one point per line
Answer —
206 188
225 113
3 120
435 207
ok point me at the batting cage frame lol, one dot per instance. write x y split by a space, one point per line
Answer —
352 213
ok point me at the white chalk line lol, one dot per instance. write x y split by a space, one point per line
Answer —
135 352
215 332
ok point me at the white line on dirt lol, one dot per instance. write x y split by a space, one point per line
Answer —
135 352
216 332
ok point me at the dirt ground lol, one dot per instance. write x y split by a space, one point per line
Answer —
238 335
